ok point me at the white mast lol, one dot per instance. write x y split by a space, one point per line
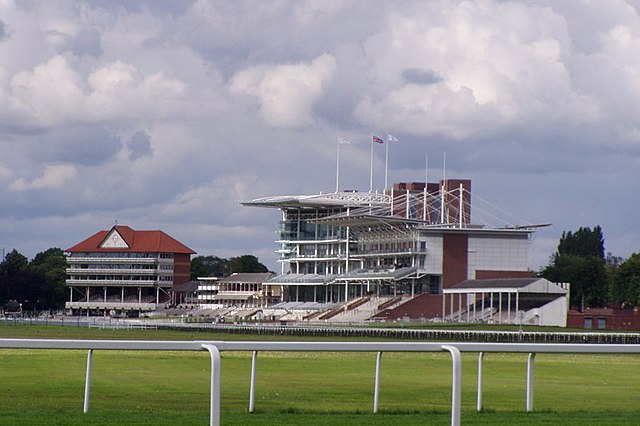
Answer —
426 184
444 186
371 168
338 167
386 162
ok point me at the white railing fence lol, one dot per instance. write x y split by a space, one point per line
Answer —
215 347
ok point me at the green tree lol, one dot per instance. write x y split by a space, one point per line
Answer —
51 265
204 266
246 263
624 286
37 285
13 263
580 261
585 242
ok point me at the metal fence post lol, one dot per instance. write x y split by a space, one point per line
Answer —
252 388
479 396
214 411
456 383
87 382
530 362
376 385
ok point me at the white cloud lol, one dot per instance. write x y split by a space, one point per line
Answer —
53 177
50 93
286 93
240 99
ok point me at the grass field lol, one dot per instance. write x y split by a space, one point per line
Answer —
134 387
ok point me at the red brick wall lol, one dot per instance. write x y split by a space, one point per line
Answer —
181 268
615 319
455 252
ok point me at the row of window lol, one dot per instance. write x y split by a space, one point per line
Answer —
118 255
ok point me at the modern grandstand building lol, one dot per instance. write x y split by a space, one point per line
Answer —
415 238
123 271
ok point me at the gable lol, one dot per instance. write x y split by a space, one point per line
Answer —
114 240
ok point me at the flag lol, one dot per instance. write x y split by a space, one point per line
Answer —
343 141
376 139
391 138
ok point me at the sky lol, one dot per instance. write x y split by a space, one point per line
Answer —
164 114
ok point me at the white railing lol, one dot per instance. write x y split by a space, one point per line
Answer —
215 347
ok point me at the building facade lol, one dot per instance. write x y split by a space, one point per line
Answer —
415 238
123 271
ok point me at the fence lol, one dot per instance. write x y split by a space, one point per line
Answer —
344 330
215 347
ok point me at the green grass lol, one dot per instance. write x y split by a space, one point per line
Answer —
136 387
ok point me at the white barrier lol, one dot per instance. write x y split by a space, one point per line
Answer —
215 347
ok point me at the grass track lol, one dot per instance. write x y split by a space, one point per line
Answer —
132 387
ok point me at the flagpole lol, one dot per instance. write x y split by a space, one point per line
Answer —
338 167
371 168
386 163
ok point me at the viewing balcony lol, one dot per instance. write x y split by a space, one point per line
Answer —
118 283
119 260
109 271
111 305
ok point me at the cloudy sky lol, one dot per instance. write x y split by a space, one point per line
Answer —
163 114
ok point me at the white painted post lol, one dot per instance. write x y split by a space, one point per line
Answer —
479 396
252 388
87 382
456 383
530 361
214 410
376 385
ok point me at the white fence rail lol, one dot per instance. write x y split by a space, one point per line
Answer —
215 347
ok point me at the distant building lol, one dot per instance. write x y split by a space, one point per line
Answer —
123 271
244 290
415 238
611 318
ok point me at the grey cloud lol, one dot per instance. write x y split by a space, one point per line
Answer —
86 42
420 76
85 145
3 31
140 146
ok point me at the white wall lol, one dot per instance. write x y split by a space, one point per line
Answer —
497 253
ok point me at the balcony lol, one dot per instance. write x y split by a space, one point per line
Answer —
111 305
109 271
108 260
118 283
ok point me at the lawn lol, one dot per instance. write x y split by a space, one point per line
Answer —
135 387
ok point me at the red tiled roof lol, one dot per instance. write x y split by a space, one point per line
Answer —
138 241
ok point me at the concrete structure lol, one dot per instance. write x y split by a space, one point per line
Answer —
239 289
521 301
416 238
124 271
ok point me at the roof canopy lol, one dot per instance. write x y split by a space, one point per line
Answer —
507 285
125 239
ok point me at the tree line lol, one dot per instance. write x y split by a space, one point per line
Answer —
597 279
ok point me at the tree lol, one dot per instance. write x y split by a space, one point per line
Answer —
204 266
13 263
246 263
52 266
585 242
624 286
39 284
580 261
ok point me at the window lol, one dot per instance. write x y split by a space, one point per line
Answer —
602 323
587 322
